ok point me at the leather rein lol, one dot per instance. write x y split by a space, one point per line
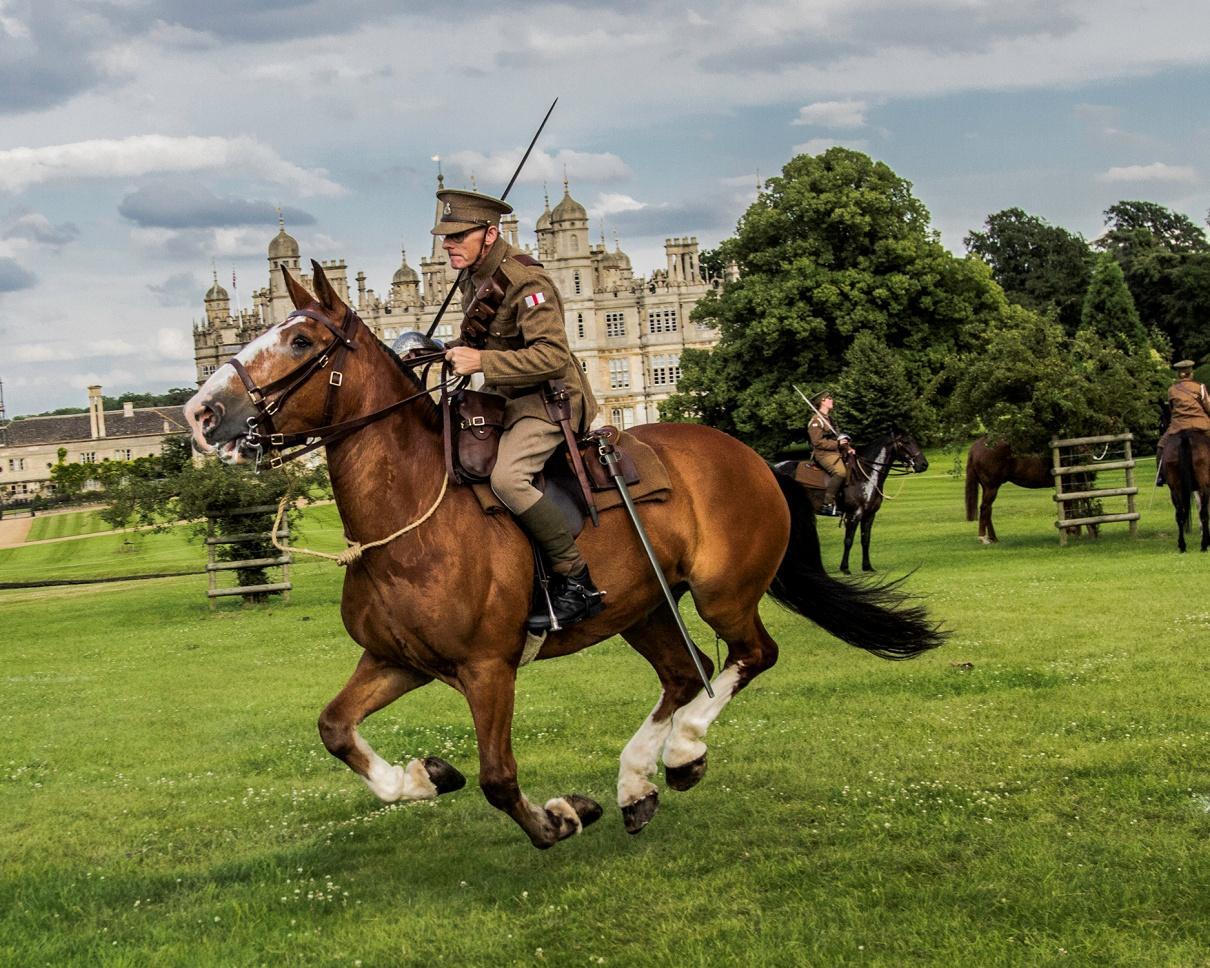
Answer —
263 435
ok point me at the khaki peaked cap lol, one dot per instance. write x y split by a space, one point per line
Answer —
1184 365
462 210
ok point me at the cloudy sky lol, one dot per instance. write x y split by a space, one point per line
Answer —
140 140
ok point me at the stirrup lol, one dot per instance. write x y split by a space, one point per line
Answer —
829 511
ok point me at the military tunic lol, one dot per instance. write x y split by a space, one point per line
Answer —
526 343
1190 404
825 448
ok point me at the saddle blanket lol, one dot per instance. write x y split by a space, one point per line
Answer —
654 484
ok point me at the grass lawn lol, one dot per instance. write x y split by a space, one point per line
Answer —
65 525
167 800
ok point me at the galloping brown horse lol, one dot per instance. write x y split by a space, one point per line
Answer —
1186 461
448 600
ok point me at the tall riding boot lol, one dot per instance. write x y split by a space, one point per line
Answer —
576 597
835 482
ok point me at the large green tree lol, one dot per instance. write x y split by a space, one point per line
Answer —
876 392
1165 257
1040 266
837 245
1108 308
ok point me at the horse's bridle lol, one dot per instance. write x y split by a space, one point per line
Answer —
263 435
907 463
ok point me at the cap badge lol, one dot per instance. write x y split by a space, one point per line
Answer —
447 209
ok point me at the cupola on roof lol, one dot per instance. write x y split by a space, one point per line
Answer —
544 219
216 292
568 210
405 273
283 245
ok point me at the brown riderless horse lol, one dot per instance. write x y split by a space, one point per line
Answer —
1186 463
448 600
989 466
862 495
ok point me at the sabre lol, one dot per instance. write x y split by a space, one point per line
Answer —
507 188
817 413
613 462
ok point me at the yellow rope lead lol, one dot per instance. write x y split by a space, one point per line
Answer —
354 552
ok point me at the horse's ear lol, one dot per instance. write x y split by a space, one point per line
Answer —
324 292
298 293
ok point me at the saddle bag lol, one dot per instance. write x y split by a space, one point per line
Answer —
473 422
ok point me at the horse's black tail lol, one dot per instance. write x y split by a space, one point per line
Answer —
1184 506
972 487
872 617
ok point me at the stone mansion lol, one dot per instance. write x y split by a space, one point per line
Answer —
627 331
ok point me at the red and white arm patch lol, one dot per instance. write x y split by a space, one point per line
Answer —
535 299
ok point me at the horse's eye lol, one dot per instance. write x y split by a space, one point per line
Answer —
300 342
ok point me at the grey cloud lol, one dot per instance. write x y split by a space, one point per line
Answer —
180 205
265 20
670 220
179 289
867 30
14 276
36 227
46 55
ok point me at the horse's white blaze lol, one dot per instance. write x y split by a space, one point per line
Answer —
640 758
561 808
871 483
391 783
690 722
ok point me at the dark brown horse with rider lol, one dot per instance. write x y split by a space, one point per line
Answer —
448 598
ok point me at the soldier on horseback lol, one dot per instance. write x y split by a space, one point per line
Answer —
1189 406
829 448
517 349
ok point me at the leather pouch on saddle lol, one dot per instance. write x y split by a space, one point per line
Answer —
473 422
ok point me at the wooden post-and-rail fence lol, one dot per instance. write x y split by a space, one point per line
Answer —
1075 509
223 532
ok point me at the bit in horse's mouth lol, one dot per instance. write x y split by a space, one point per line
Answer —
235 450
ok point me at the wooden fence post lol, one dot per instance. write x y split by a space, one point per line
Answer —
1064 522
214 566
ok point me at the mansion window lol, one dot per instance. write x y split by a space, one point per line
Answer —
661 321
122 454
208 369
88 457
16 463
665 370
619 374
615 324
622 417
576 280
580 325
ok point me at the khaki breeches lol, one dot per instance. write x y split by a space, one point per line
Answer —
832 464
524 448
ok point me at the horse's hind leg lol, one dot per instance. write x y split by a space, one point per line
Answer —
657 639
750 651
850 529
1203 499
373 685
489 687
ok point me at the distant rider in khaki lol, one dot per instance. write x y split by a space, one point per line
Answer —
828 450
1190 407
525 345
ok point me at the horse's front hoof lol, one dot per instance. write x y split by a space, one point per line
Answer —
983 539
569 815
868 568
445 776
638 815
845 571
685 777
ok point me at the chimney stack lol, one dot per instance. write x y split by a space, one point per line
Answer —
96 412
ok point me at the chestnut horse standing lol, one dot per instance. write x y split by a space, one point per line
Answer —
1186 463
448 600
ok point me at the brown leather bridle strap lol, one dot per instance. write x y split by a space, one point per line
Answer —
260 426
